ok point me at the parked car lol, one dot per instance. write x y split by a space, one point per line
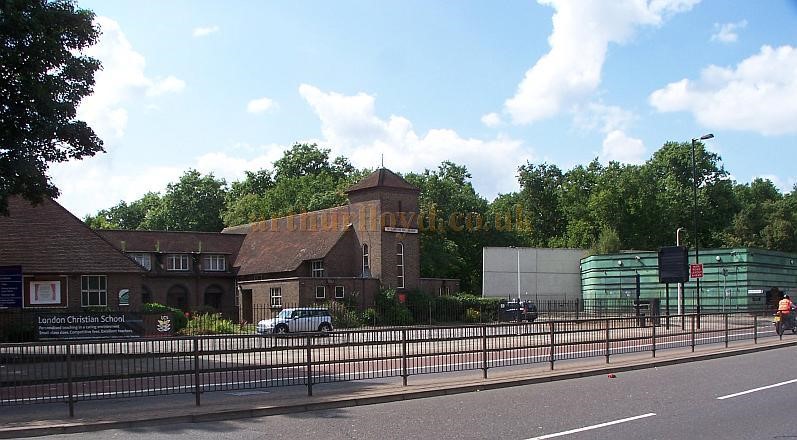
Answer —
517 311
303 319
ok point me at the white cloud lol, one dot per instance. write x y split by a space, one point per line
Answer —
727 33
109 182
759 94
582 31
785 185
350 126
492 120
170 84
617 146
604 118
121 79
204 31
260 105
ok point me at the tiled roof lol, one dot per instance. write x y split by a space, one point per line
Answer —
382 178
47 238
282 244
173 241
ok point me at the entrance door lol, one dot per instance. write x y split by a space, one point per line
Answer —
246 305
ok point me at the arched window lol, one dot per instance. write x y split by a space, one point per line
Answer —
366 262
399 265
177 296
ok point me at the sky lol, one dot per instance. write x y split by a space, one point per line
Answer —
226 87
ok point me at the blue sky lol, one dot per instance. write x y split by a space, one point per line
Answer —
225 87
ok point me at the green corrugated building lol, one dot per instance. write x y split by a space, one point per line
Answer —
733 278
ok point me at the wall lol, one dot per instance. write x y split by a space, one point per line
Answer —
544 273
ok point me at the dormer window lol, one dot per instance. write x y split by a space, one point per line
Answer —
178 262
214 263
318 269
142 259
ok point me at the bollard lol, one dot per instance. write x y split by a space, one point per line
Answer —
551 325
309 366
404 373
484 349
654 337
70 385
692 319
197 385
755 329
608 341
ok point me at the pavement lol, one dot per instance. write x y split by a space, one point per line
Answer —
53 418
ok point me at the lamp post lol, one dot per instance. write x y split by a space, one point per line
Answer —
518 271
694 212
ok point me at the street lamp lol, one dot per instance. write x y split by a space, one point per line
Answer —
518 271
694 212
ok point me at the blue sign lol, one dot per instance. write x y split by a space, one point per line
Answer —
11 287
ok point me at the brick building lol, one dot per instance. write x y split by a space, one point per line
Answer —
346 253
187 270
65 264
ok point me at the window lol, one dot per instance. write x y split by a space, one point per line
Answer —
143 260
214 263
276 296
399 265
318 269
366 262
124 297
178 262
340 292
320 292
93 290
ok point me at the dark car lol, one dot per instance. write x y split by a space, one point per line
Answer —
517 311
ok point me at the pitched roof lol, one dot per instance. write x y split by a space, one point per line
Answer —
281 245
47 238
173 241
382 178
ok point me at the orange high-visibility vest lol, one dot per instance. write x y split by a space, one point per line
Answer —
784 306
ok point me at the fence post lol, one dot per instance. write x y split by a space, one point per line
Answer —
484 349
551 325
404 373
69 384
197 385
309 366
692 319
726 330
755 329
653 327
608 345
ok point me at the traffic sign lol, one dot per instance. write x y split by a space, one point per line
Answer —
696 270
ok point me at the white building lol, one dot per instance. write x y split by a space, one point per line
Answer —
532 273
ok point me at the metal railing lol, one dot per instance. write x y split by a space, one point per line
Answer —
102 369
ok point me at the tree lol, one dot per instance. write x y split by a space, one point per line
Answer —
124 215
43 77
540 190
194 203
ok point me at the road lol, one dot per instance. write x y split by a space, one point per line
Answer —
743 397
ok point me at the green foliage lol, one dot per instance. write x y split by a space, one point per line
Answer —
179 320
472 315
194 203
123 215
209 324
44 78
392 312
608 242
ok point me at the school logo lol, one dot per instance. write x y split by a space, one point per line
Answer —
164 324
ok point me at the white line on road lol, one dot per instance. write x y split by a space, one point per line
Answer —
588 428
757 389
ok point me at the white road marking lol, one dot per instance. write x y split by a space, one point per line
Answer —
589 428
757 389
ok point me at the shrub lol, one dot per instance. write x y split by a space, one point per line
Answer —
473 315
209 324
370 317
178 317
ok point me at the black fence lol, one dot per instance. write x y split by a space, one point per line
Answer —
72 371
25 325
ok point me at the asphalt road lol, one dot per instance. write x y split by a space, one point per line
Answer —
698 400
